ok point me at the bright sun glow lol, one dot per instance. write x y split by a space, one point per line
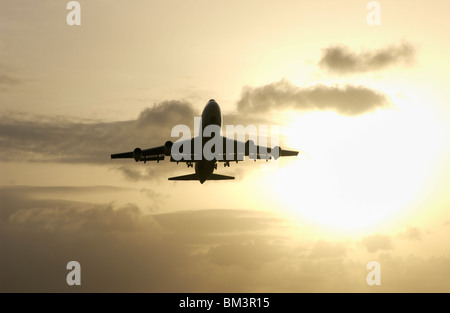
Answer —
356 171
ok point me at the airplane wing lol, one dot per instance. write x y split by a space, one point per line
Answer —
159 153
152 154
234 150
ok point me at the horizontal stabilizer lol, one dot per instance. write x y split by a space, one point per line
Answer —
219 177
185 177
195 177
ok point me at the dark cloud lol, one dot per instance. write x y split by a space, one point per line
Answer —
122 249
54 139
167 114
342 60
61 140
118 247
377 242
348 100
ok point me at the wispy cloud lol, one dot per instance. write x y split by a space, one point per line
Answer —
6 79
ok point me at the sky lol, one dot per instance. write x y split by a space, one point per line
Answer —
367 106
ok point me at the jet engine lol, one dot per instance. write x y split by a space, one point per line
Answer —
137 154
168 148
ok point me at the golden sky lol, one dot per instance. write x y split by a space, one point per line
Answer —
366 105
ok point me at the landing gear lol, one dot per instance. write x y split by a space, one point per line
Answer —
226 164
189 164
215 166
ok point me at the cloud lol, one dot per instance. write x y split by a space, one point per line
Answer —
248 255
55 139
166 113
347 100
414 274
35 138
206 226
342 60
8 80
123 249
118 247
148 172
324 249
411 233
377 242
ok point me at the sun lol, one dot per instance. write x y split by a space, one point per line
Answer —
356 172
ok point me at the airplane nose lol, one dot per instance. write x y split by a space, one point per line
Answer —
212 103
213 106
211 113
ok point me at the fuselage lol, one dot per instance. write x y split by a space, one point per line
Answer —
211 115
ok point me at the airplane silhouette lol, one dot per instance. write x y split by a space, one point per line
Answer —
205 164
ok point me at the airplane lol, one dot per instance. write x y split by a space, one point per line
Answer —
232 150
